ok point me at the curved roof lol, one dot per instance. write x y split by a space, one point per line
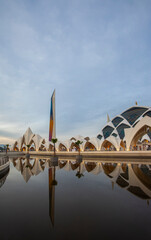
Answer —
127 119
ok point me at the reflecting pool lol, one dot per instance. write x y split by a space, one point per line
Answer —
75 200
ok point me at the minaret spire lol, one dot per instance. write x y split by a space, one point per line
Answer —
108 118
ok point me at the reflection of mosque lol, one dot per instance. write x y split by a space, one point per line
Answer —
136 178
29 167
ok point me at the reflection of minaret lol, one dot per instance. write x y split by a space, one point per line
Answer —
52 183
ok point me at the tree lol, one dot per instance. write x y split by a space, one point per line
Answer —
7 145
54 141
78 143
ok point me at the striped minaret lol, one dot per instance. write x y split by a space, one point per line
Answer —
52 124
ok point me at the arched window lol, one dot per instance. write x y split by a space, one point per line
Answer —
62 147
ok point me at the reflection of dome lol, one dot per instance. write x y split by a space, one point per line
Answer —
3 175
138 192
127 119
133 177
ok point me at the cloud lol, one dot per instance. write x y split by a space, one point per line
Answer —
96 55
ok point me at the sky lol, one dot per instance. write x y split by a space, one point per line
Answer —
95 53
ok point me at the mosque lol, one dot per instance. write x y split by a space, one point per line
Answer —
128 131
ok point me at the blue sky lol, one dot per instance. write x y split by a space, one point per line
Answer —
95 53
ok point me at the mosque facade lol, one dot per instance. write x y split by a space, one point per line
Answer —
130 130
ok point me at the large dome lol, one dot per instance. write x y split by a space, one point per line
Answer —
127 119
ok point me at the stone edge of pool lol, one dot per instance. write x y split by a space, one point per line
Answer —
101 154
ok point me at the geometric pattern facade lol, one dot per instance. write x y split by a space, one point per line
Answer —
127 119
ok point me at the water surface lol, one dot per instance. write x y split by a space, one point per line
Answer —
91 200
